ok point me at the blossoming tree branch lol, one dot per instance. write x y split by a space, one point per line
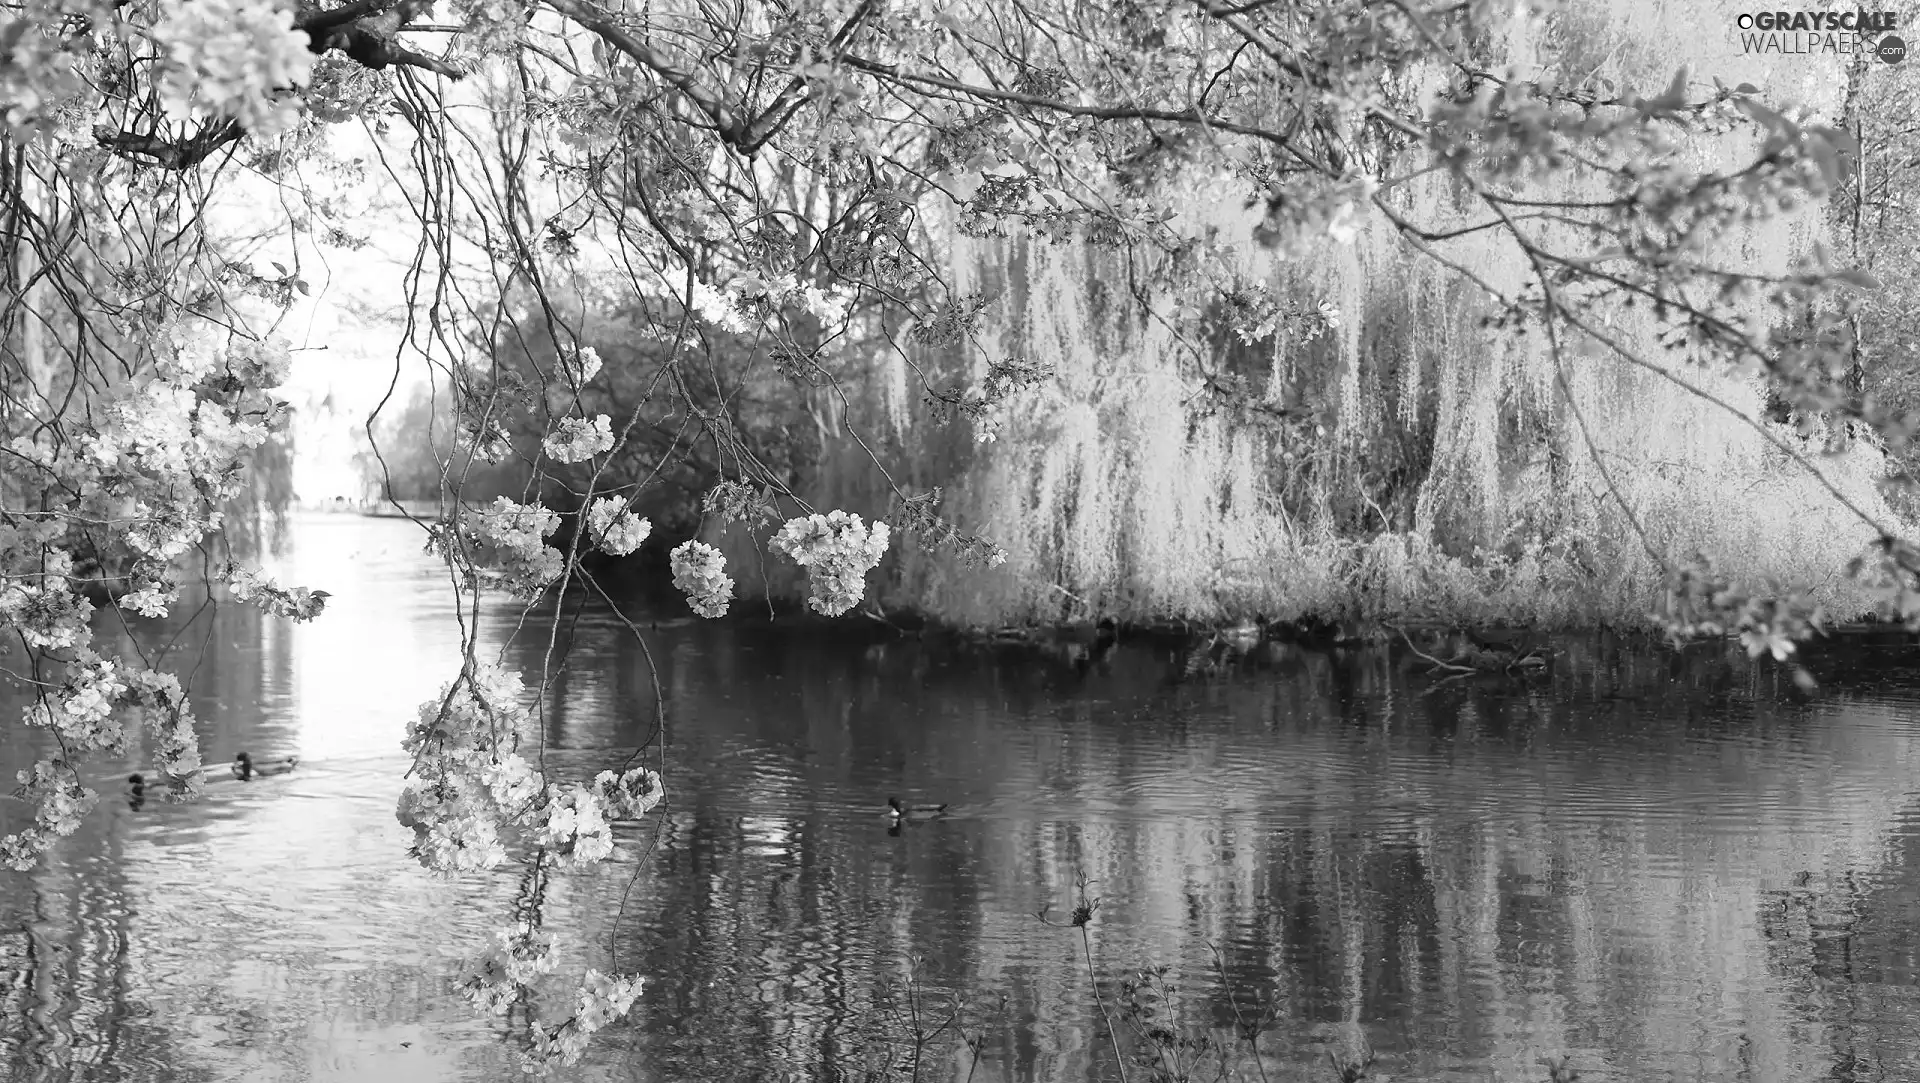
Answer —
764 192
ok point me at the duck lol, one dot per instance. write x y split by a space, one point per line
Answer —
898 813
246 770
136 791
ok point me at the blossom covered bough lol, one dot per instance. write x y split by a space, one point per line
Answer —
471 799
156 457
153 467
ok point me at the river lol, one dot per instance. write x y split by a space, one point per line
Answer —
1659 872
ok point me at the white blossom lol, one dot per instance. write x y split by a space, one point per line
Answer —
234 58
518 531
580 365
575 829
579 439
614 527
698 572
717 308
151 600
629 795
838 550
605 998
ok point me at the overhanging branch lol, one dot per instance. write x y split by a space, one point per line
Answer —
165 153
714 107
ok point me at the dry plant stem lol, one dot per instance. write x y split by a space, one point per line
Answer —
1250 1035
913 1013
1437 663
1113 1037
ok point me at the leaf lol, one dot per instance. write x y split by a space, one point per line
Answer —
1765 117
1858 279
1674 97
282 268
1678 88
301 285
1831 170
1842 141
1746 88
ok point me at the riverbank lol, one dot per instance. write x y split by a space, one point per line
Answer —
1187 651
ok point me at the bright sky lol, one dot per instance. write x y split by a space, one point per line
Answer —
342 365
346 334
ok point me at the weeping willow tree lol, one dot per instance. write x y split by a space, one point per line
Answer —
1171 298
1429 445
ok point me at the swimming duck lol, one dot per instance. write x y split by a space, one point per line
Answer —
898 813
246 770
136 791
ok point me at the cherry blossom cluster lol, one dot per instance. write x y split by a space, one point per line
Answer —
838 550
829 306
486 437
156 700
601 999
340 90
579 365
577 439
153 598
161 533
573 827
717 307
60 801
81 712
519 532
150 466
88 711
471 793
299 603
699 571
521 956
629 794
164 429
614 527
232 58
47 614
469 784
45 69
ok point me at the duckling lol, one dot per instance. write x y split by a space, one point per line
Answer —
246 770
898 813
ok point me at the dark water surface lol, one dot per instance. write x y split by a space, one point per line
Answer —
1663 874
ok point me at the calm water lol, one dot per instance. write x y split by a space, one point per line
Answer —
1664 874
